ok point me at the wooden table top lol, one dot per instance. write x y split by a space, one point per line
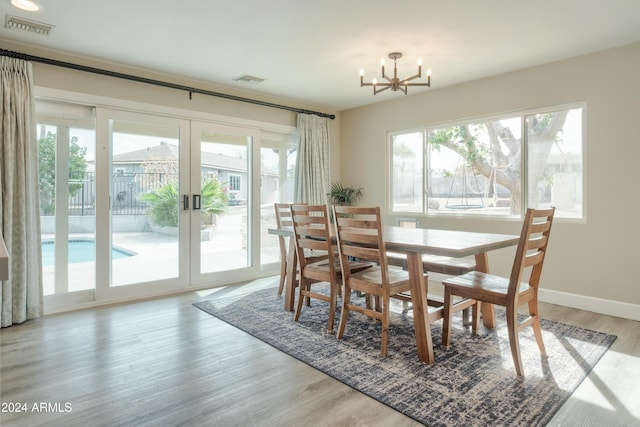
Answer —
434 241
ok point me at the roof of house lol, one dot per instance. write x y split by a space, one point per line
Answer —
170 152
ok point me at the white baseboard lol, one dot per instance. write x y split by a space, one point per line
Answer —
621 309
596 305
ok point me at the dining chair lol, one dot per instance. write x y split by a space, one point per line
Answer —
317 258
283 219
512 292
359 236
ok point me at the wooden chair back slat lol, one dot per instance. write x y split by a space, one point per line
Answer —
311 231
532 248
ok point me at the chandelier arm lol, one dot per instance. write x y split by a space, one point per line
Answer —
376 84
415 76
376 90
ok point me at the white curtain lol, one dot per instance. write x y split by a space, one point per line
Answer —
312 165
21 297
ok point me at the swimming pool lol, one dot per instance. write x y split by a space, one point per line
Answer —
80 251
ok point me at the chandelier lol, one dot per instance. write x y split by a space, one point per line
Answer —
394 83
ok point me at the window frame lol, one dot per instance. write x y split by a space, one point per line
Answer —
524 172
233 179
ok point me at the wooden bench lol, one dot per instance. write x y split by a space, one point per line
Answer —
433 264
449 266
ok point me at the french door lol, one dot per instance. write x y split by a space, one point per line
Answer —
140 204
222 211
143 231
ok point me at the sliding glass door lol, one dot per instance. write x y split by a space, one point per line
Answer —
148 228
223 187
136 205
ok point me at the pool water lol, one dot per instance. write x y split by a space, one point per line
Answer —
79 251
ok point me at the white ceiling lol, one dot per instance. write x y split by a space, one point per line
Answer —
313 50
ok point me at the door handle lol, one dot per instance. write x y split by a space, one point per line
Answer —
185 202
196 202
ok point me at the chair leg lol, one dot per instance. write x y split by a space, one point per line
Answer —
475 316
465 317
376 300
446 318
367 301
301 298
283 276
344 315
537 330
512 327
385 326
333 298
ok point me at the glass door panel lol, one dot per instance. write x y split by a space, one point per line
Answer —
222 171
146 213
277 169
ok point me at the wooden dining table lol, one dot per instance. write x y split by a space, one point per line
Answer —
414 242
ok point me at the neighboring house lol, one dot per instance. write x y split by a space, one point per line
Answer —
137 171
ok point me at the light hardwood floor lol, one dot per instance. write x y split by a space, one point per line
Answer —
163 362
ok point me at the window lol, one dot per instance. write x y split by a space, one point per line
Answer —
66 157
491 167
407 177
234 182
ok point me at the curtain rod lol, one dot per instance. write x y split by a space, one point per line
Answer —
138 79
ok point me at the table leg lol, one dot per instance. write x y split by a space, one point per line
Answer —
421 319
290 284
488 314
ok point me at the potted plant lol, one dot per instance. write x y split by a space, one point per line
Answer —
344 196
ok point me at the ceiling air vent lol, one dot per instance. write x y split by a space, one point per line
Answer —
15 23
249 79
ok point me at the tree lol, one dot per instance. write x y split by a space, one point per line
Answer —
163 201
215 199
163 204
497 157
402 151
47 170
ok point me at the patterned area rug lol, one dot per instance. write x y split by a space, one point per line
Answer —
472 383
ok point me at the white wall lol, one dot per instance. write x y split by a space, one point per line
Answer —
590 265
